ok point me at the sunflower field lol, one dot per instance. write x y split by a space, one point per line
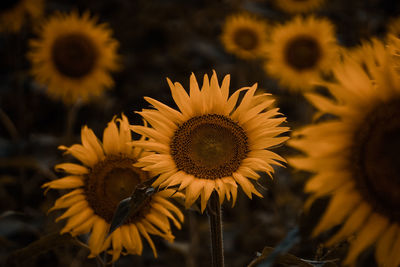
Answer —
259 133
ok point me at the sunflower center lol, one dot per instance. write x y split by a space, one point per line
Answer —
377 161
74 55
6 5
302 53
111 181
245 38
210 146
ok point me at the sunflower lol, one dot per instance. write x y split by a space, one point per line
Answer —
14 13
393 27
106 177
354 156
300 50
213 143
245 36
73 57
298 6
394 49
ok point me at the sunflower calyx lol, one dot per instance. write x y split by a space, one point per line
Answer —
131 206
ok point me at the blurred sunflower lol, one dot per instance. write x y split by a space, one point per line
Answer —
300 50
106 177
355 156
298 6
394 49
393 27
212 143
245 36
73 57
13 13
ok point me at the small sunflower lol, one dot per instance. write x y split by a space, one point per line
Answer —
354 157
298 6
106 177
213 142
73 57
13 13
245 36
300 50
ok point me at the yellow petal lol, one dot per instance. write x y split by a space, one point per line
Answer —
83 154
143 232
220 188
248 172
116 240
225 87
341 204
65 202
71 168
193 191
84 227
174 179
160 221
352 224
124 134
234 195
153 146
76 220
209 187
74 209
127 239
188 179
164 176
246 185
232 101
385 243
166 212
65 183
100 228
195 96
136 238
158 124
325 105
151 133
394 258
180 97
366 236
172 114
89 140
111 139
168 205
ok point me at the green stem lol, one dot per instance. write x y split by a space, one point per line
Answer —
214 215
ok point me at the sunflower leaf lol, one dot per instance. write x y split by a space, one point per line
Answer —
130 206
285 259
269 256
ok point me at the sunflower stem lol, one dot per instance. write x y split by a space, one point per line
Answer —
214 216
70 121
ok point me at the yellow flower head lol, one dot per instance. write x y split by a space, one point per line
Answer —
212 142
298 6
300 50
245 36
73 57
354 157
13 13
105 177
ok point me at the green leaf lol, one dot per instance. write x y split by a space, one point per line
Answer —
130 206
